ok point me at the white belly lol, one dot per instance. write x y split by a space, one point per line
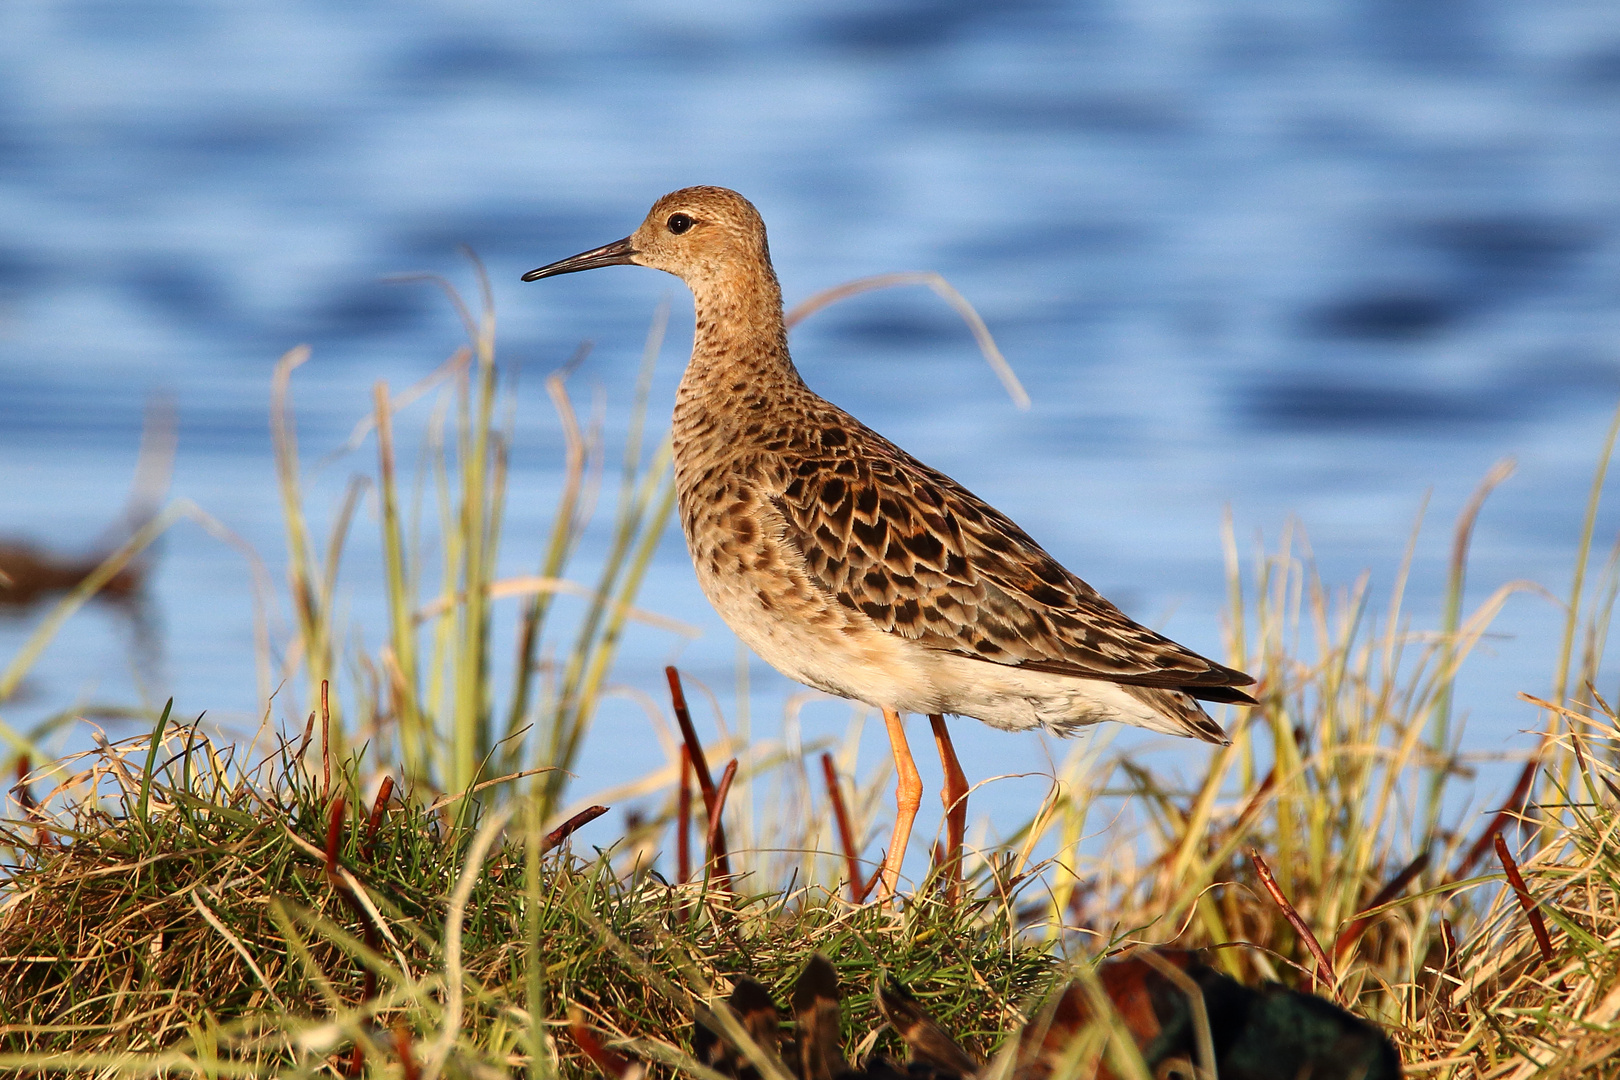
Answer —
821 644
755 581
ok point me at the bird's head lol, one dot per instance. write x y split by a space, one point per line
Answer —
705 236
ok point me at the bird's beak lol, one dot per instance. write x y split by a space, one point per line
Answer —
618 253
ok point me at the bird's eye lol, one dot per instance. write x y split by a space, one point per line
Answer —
679 223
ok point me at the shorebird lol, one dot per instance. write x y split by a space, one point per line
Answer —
852 567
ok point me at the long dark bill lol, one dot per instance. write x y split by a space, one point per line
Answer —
618 253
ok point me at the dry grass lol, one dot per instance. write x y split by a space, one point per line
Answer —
188 919
168 909
212 925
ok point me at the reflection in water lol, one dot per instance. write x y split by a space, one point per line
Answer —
32 575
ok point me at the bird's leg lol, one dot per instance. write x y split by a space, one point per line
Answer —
954 796
907 797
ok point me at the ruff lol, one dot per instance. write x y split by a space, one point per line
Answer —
852 567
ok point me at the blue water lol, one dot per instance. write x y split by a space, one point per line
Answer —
1299 260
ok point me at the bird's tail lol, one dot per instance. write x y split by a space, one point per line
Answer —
1180 712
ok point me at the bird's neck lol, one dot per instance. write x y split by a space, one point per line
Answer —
739 347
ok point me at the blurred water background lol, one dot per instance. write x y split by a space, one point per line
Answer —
1303 260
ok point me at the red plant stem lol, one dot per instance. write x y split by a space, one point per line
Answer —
722 877
326 746
846 836
303 743
683 717
334 841
1538 925
402 1046
871 883
1515 803
1449 967
1397 885
377 810
368 983
1324 967
566 829
30 805
1250 806
609 1062
334 836
683 819
700 764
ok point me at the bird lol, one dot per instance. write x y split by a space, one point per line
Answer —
852 567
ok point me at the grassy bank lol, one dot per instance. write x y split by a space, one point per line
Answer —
204 917
389 889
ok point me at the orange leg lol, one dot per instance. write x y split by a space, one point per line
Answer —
907 797
954 796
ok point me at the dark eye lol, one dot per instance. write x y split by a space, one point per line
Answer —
679 223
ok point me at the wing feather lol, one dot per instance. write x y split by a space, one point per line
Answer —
923 557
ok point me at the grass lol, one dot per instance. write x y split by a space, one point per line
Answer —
219 920
432 702
172 907
204 916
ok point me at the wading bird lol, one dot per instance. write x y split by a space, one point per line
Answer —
851 566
